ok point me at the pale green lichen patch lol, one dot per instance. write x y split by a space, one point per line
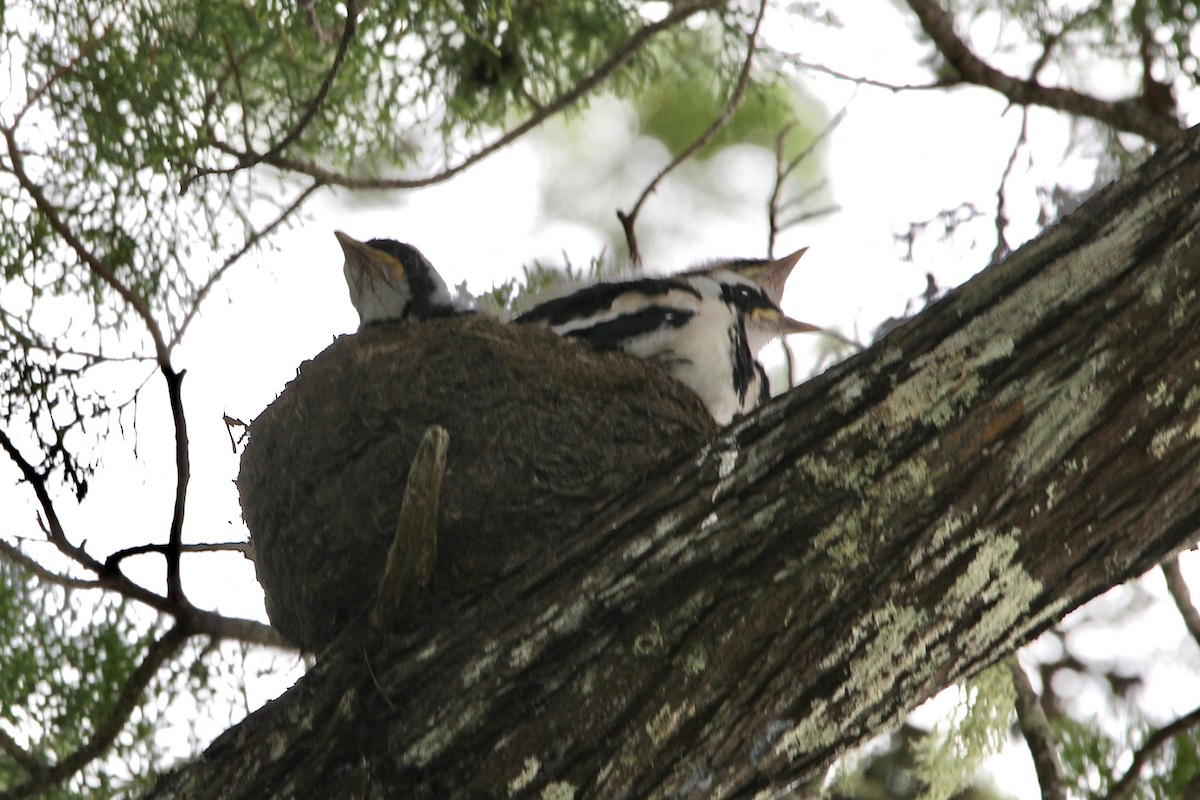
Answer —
1160 396
893 640
532 767
666 722
433 743
696 661
1059 415
996 579
1182 308
558 790
1160 445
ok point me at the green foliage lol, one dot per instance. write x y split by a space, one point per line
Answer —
66 656
677 112
948 763
1089 754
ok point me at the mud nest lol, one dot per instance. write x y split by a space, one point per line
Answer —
543 432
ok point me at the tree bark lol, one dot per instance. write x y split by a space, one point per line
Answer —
909 517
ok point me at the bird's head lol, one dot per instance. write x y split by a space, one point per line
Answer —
389 280
770 274
760 313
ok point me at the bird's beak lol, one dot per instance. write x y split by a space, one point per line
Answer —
772 276
780 323
366 260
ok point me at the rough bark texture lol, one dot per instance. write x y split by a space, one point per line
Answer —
818 569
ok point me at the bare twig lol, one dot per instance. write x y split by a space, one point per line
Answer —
629 220
1002 249
1127 115
944 83
198 620
783 169
1178 588
53 526
1146 751
107 731
14 554
114 560
1031 718
251 242
679 12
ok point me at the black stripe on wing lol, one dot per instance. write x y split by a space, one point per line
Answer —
597 299
614 334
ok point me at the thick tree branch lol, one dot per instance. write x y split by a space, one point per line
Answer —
894 525
629 220
1124 115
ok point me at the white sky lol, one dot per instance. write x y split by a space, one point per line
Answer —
898 157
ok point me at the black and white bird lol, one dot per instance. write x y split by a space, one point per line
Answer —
704 327
391 281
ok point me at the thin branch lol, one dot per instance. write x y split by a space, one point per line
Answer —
114 560
251 242
776 208
63 70
183 472
1178 588
628 221
1002 249
679 12
25 759
107 731
15 555
943 83
1128 115
51 214
53 527
1146 751
1031 718
198 620
309 113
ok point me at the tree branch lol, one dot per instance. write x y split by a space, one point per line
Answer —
106 732
1144 753
306 117
251 242
54 529
1126 115
1178 588
15 555
1036 729
775 208
679 12
51 213
113 561
628 221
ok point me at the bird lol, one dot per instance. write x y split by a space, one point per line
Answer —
391 281
770 274
704 327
